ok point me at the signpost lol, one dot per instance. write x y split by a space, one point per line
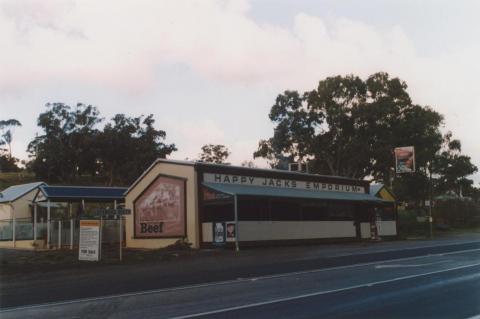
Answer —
90 239
116 213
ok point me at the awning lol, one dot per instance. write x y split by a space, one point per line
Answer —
233 189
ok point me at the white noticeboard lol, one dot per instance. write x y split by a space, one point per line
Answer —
89 246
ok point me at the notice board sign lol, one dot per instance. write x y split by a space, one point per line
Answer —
89 246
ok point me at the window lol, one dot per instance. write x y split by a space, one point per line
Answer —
315 211
214 212
340 211
253 209
285 210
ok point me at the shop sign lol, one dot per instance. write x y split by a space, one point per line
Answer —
90 239
280 183
404 159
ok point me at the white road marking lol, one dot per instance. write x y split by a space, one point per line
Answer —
318 293
410 265
226 282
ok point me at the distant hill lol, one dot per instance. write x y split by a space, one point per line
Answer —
9 179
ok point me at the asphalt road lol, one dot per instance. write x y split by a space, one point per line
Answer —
434 282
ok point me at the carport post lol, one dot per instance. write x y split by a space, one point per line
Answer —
59 234
235 205
48 224
34 221
14 226
71 225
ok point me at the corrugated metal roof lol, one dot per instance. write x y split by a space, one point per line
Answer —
13 193
83 192
291 193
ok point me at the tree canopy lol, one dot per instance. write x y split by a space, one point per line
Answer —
7 162
214 153
72 145
349 127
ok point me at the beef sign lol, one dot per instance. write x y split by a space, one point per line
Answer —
160 210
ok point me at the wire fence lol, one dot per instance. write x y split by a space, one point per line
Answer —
63 233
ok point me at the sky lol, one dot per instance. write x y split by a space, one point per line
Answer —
209 71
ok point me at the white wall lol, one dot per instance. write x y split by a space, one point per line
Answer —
287 230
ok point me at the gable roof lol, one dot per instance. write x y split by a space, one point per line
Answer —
375 188
13 193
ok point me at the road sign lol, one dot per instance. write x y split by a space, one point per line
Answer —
89 246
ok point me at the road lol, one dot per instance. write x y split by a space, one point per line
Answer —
436 282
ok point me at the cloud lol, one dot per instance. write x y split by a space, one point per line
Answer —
119 45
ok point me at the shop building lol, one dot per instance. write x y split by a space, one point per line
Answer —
210 204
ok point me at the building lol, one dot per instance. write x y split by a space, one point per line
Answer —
210 204
16 201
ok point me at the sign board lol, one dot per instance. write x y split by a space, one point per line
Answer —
110 211
404 159
160 210
218 233
280 183
89 245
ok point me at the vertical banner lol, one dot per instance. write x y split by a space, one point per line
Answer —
89 244
160 210
404 159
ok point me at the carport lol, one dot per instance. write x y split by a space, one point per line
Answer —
48 195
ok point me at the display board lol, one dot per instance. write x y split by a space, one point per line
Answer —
90 239
160 210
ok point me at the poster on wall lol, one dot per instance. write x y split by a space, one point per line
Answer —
231 230
160 210
405 159
219 233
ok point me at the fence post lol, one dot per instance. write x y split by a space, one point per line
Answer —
14 226
121 235
71 225
48 224
71 233
59 234
34 222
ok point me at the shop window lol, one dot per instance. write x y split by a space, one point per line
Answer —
285 210
315 211
253 209
340 211
218 212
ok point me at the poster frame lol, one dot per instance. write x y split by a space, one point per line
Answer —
134 213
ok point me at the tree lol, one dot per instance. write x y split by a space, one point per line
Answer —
72 146
6 127
349 127
127 146
8 163
214 153
249 164
65 150
452 168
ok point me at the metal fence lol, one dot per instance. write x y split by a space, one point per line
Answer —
63 233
